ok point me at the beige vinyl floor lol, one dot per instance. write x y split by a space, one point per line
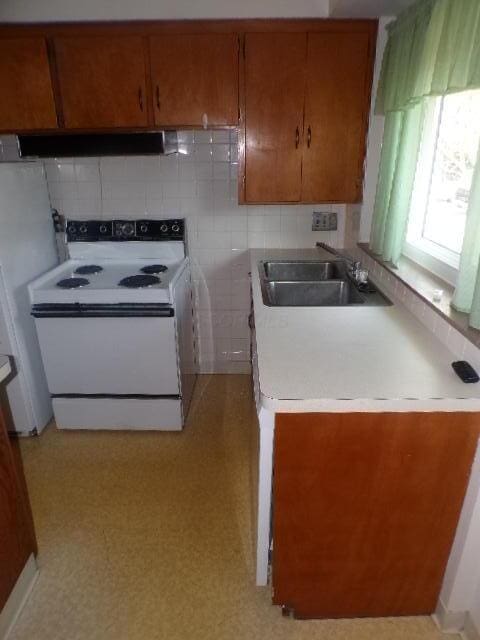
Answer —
148 536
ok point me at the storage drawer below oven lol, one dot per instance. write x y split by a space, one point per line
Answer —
163 414
112 356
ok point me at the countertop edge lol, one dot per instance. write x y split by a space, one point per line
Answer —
5 368
371 405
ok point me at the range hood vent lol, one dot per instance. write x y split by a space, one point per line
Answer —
98 144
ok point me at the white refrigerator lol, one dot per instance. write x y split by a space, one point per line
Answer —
27 249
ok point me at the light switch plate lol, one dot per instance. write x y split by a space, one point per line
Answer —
324 221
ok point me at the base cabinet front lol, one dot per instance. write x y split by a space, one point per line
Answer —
365 509
17 534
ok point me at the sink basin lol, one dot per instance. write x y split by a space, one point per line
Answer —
303 270
327 293
314 283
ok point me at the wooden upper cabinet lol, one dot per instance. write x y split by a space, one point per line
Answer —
102 81
195 76
336 115
26 95
275 65
307 100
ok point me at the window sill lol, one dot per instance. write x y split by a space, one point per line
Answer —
422 283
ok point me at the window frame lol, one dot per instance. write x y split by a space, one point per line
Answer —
438 259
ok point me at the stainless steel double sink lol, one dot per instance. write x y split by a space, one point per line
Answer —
314 283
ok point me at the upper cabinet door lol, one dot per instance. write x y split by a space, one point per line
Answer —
195 79
274 99
26 95
336 116
102 81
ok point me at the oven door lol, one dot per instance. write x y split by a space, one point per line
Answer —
108 349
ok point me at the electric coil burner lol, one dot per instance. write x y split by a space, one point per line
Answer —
137 282
154 268
89 269
72 283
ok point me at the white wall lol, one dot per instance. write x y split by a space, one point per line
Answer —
375 136
463 570
475 609
367 8
58 10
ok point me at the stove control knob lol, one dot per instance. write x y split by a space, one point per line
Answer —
72 228
175 228
143 228
103 228
83 228
128 229
164 228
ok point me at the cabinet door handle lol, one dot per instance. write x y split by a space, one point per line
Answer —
309 136
140 98
297 137
157 96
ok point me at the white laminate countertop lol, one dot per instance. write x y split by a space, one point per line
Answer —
5 368
348 359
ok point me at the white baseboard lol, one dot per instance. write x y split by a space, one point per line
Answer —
455 622
18 597
449 621
470 631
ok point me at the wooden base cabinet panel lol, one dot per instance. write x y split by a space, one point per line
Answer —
366 508
17 535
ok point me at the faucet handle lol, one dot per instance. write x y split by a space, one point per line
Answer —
356 264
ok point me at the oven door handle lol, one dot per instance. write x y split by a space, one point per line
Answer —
121 310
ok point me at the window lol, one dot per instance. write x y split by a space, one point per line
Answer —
443 180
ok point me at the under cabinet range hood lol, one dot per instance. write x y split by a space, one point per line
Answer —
98 144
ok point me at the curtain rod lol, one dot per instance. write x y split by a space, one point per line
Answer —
411 14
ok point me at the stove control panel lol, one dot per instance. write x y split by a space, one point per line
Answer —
123 230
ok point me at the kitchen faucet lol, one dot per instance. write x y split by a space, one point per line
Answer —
355 266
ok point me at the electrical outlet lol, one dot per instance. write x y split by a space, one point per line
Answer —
324 221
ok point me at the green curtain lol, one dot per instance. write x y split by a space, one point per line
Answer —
433 49
401 144
467 291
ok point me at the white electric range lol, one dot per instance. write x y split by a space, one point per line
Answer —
115 326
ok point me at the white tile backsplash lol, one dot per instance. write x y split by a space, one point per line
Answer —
200 184
455 341
9 149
